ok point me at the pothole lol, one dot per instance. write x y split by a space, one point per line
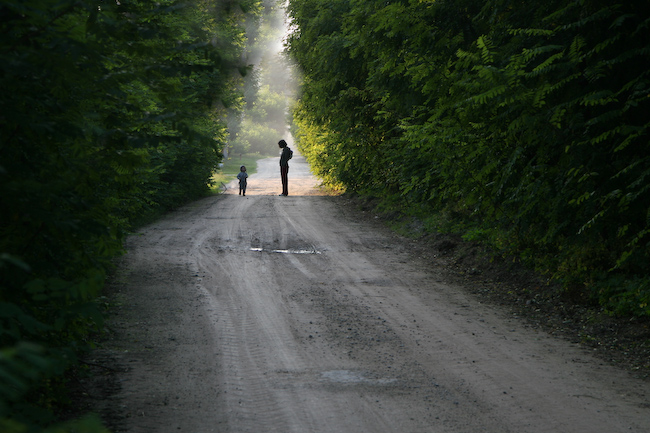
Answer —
288 251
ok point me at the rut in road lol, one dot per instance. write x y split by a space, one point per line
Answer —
287 314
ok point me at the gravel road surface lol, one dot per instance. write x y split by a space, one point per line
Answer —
288 314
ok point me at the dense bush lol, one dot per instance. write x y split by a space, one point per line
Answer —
109 111
524 120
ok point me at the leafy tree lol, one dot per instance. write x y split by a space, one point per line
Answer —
264 119
116 110
522 120
255 138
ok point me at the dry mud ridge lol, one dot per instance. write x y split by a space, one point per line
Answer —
287 314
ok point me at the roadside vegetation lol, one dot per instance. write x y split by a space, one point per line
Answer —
111 113
230 168
519 125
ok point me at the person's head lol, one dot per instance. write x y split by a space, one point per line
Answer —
242 168
282 144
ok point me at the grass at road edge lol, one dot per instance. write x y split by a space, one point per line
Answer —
230 168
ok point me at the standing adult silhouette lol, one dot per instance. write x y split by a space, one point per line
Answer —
285 156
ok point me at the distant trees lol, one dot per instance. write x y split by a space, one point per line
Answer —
267 96
523 124
263 124
110 111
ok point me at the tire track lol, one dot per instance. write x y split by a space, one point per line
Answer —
359 338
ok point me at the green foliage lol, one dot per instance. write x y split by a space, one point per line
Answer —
231 167
624 296
263 120
255 138
318 146
524 122
113 112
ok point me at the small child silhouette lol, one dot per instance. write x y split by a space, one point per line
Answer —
242 176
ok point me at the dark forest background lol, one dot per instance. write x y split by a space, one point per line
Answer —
111 113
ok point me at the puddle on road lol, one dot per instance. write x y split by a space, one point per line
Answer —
312 251
352 377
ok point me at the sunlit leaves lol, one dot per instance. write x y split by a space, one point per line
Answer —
529 119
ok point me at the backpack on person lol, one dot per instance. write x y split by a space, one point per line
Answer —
290 153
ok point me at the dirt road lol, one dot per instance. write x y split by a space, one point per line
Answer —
287 314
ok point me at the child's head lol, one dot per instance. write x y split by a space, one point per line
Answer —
242 168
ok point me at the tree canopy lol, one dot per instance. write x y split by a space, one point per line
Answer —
110 111
521 124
